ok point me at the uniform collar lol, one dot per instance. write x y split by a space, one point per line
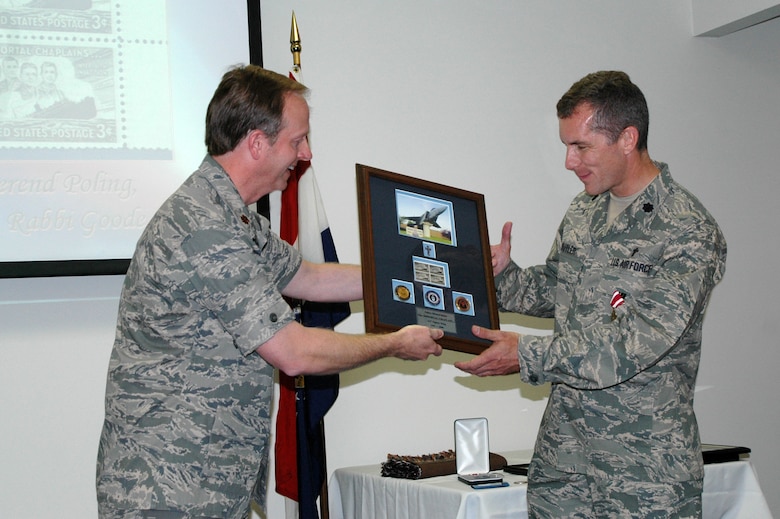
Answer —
641 212
221 182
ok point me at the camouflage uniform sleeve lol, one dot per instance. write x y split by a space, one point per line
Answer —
529 291
597 351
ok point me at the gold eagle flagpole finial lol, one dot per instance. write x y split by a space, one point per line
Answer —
295 43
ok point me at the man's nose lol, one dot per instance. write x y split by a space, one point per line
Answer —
304 153
572 160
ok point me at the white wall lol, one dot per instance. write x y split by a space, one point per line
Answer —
55 341
464 96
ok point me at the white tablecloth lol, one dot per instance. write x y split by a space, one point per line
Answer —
731 491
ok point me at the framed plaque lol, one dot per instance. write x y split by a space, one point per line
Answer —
426 258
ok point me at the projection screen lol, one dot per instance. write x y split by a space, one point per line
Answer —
102 108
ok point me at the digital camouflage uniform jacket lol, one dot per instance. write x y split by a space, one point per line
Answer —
188 399
622 383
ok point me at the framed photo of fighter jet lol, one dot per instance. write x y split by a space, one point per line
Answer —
426 257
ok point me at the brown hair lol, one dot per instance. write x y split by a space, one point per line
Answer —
617 104
248 98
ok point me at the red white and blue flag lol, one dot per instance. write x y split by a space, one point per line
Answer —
300 445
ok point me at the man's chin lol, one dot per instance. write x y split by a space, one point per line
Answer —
591 189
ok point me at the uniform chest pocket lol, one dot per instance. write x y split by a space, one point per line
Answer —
570 267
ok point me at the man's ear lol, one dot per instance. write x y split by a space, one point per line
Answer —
257 143
629 138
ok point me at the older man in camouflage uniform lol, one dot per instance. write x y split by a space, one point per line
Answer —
627 280
203 322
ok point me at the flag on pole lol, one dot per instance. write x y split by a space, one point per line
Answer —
303 223
303 402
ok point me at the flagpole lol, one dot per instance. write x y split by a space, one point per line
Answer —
300 382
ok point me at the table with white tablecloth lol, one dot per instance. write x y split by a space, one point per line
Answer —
731 490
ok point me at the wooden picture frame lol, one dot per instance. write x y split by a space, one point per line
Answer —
426 258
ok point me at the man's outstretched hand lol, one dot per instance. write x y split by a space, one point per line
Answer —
499 359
